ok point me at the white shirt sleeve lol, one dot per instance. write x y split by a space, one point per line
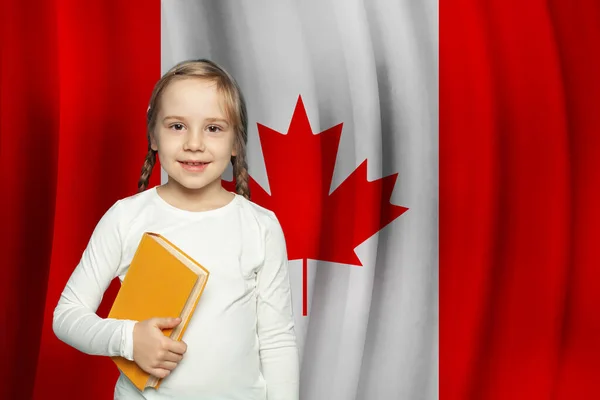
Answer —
75 320
275 326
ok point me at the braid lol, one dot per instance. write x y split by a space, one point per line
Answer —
147 169
240 172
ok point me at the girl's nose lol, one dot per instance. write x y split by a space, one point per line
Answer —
194 142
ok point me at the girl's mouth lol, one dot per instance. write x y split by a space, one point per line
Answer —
194 166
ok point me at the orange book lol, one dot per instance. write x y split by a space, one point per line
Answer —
162 281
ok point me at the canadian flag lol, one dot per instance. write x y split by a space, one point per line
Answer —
435 168
325 154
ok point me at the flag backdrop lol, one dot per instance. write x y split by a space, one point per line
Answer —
515 92
370 330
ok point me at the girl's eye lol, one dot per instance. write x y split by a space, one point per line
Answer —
177 127
214 129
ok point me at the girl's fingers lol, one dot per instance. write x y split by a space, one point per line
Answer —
160 372
168 365
170 356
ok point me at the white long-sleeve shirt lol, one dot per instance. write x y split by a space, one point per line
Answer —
241 340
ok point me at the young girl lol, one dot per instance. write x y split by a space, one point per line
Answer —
240 342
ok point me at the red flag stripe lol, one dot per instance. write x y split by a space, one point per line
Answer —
76 78
519 155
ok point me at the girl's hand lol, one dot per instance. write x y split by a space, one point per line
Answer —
155 353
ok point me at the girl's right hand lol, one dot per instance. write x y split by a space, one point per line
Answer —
154 352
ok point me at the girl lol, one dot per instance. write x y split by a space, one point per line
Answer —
240 342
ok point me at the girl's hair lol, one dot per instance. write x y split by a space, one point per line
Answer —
235 110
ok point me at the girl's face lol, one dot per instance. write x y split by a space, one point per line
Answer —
192 135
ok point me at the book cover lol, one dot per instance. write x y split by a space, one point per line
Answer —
162 281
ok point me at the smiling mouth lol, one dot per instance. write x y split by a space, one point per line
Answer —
193 163
193 166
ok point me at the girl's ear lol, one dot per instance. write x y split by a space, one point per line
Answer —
234 151
153 144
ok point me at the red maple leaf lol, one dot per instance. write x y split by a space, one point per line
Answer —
318 225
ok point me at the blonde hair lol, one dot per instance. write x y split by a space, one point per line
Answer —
235 110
